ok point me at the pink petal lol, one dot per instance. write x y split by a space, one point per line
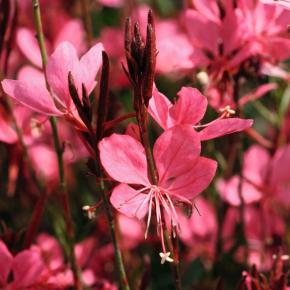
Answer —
51 249
7 134
274 70
63 60
208 8
203 33
174 151
31 94
44 160
124 159
256 165
28 45
279 48
171 40
29 74
132 231
72 32
279 166
258 93
27 268
229 191
223 127
84 250
5 264
190 183
283 3
90 64
129 201
112 3
158 108
189 108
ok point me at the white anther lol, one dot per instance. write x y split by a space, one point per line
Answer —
165 257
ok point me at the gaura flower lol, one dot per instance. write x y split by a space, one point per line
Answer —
262 178
182 175
31 90
27 268
190 109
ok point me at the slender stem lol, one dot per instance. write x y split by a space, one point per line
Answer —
118 256
59 153
39 31
176 268
35 220
142 119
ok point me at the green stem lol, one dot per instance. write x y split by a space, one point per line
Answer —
118 256
59 153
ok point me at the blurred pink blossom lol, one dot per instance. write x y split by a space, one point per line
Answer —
262 177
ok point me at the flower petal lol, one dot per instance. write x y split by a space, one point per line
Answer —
190 183
279 166
28 45
197 25
229 191
189 108
223 127
63 60
27 268
174 150
7 134
129 201
31 94
90 64
256 165
158 108
6 263
124 159
73 32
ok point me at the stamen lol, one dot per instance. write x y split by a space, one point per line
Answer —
149 215
227 111
91 211
165 257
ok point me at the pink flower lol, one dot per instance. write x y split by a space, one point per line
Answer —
183 174
263 177
190 109
27 268
265 28
31 91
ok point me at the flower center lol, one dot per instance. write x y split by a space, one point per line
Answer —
160 199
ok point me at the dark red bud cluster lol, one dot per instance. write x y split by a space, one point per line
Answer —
141 59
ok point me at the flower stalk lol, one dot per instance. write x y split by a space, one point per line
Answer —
59 153
96 133
141 63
